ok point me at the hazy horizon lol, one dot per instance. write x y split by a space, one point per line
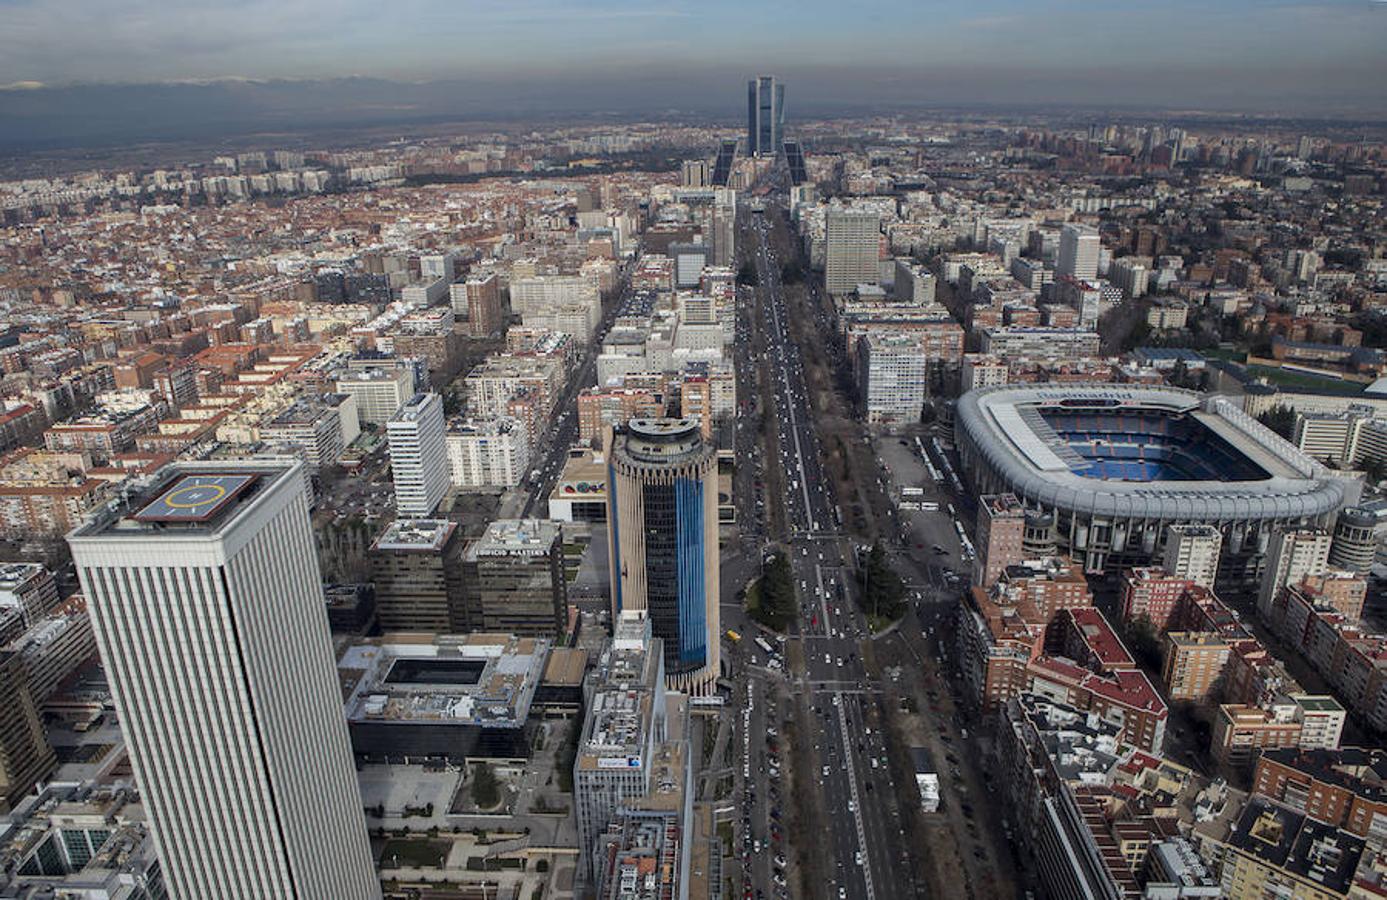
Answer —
91 71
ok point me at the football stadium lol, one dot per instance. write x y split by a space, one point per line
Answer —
1116 464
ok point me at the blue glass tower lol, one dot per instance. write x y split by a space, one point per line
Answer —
662 527
765 112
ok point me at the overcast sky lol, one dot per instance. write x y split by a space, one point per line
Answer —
1214 51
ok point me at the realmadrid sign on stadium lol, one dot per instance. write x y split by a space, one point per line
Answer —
1114 465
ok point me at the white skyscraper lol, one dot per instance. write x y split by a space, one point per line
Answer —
1191 551
207 605
1079 246
419 456
1294 554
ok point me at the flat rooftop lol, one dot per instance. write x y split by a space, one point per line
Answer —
412 408
515 537
301 412
18 574
487 680
621 710
583 473
186 498
194 498
566 667
416 534
999 505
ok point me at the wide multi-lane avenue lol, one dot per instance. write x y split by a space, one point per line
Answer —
861 853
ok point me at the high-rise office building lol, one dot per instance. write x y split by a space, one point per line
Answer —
852 250
722 226
379 391
419 455
515 580
416 567
662 528
695 173
765 116
1078 256
893 377
1191 551
438 265
914 283
1294 554
488 452
25 754
208 611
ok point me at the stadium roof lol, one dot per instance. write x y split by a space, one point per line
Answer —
1001 423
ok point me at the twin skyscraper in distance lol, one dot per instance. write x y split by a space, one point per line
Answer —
765 116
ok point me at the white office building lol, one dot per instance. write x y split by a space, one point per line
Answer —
311 425
438 265
893 377
1332 435
914 284
1079 251
208 609
623 723
488 452
425 293
539 293
379 392
419 456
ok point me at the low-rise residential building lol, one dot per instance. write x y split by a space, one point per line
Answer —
1345 787
1274 851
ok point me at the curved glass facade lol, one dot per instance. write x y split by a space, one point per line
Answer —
662 523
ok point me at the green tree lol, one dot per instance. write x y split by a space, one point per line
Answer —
486 793
883 592
747 274
775 591
1139 336
1280 419
1143 640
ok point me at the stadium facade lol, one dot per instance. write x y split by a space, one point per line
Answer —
1115 465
